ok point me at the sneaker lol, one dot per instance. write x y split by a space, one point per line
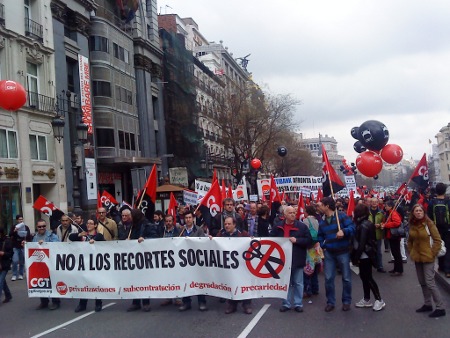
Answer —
20 277
437 313
379 305
13 278
364 303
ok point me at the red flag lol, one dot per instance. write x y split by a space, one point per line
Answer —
49 209
99 202
408 197
223 190
283 196
319 195
172 210
230 191
274 194
147 198
420 174
351 204
331 183
402 190
108 201
211 203
301 208
214 178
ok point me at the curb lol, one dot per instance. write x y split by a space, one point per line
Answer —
443 281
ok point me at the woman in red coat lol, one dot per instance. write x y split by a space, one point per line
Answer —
393 220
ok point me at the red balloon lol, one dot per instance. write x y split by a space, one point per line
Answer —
12 95
392 153
369 163
255 163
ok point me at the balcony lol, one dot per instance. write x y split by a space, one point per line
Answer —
2 14
34 30
114 19
40 102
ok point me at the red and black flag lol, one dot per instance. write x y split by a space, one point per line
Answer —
402 190
108 201
300 208
211 203
49 209
331 183
147 197
420 174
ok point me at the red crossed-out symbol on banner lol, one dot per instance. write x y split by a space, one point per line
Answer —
266 259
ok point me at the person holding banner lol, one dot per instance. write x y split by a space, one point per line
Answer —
107 227
46 236
229 230
191 230
300 237
228 211
64 230
90 236
336 230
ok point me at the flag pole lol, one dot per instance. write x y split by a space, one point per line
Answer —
332 196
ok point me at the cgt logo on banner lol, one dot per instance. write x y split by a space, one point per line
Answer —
39 281
232 268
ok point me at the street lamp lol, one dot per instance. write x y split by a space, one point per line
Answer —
207 164
78 135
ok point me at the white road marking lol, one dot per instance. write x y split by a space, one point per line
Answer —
69 322
254 321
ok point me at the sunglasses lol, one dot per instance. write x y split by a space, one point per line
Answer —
41 227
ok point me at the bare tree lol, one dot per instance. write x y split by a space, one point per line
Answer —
250 121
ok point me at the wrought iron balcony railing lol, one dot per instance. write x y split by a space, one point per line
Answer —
40 102
34 30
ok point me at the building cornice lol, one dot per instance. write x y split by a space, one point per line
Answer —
76 21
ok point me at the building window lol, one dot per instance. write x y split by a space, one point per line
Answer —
8 144
32 85
105 137
101 88
124 95
38 147
127 140
99 44
121 53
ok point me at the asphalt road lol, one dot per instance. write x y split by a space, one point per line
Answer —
401 294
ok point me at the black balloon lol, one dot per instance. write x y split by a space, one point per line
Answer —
375 177
354 132
373 135
282 151
359 148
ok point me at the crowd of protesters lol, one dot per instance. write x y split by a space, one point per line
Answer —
325 239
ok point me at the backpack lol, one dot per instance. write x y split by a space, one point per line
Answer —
440 213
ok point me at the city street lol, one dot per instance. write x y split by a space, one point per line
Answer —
399 319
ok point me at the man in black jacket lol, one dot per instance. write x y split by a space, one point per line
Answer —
228 211
6 253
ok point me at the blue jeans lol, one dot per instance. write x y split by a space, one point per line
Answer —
331 262
379 254
3 286
18 259
295 290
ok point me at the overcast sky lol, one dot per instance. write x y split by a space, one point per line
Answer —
348 61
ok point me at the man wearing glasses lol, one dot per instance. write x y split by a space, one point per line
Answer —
228 211
44 236
107 227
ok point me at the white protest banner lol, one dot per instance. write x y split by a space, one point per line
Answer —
240 194
179 176
201 188
232 268
292 184
254 198
350 182
190 197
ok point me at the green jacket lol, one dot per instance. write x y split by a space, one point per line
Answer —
379 218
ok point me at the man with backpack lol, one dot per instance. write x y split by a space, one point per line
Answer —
438 212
